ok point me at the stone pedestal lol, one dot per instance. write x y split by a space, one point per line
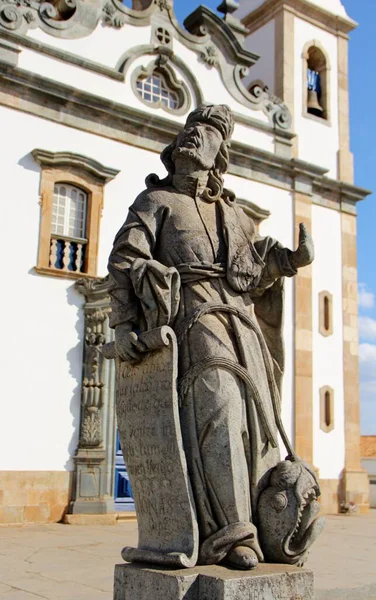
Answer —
266 582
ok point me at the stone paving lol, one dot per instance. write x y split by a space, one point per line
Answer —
61 562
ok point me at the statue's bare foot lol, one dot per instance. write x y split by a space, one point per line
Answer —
242 557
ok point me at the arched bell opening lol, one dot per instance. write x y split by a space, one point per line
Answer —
316 81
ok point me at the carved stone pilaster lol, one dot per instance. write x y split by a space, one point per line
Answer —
92 384
94 460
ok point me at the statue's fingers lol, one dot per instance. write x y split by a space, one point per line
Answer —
136 343
303 233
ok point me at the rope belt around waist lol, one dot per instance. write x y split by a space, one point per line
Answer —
192 272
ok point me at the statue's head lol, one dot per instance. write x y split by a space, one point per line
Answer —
203 144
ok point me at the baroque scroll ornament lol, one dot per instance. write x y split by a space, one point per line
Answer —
17 13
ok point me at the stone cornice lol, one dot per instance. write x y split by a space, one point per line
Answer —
302 9
60 103
338 194
70 159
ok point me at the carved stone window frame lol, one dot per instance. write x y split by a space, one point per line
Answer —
323 67
85 173
325 313
326 409
160 65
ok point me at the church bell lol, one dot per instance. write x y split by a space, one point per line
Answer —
313 105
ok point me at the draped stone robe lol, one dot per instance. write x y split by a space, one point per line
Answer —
201 268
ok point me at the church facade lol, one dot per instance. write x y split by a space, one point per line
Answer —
91 91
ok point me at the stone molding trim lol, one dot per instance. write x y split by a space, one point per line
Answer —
9 52
93 490
302 9
204 21
88 175
325 313
326 409
345 157
303 340
20 41
355 485
69 159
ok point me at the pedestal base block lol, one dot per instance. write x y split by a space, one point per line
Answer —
266 582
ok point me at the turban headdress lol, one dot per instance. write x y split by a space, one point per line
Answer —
216 115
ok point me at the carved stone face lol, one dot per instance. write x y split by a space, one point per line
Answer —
197 146
288 521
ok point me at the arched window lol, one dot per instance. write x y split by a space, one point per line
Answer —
158 86
154 89
316 81
68 227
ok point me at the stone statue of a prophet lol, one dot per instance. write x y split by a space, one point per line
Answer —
197 302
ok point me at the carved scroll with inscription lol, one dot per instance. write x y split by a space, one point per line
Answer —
150 436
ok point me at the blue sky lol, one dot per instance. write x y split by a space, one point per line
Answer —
363 129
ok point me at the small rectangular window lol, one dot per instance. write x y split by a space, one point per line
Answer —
327 409
325 313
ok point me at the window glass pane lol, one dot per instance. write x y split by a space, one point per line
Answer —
155 89
68 211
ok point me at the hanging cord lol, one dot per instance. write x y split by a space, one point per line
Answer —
192 373
198 368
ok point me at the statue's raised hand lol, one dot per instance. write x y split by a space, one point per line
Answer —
305 252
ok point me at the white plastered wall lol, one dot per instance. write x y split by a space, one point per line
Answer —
278 225
43 328
262 42
318 140
329 448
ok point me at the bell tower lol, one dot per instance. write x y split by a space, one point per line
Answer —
303 48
